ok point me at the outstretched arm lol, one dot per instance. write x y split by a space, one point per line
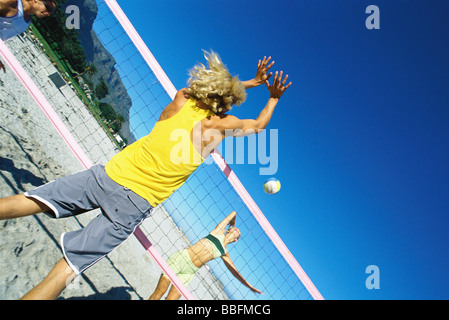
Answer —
241 128
230 265
228 221
276 90
262 74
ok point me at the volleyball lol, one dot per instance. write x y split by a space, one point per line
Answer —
272 186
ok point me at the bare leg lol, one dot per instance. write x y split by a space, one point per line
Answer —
161 288
173 294
53 285
20 206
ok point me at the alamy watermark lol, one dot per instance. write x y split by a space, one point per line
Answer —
261 148
73 20
373 20
373 280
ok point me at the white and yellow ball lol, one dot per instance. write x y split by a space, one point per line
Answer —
272 186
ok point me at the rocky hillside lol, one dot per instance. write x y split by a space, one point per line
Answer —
104 62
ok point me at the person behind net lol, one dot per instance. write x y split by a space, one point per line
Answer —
145 173
15 16
185 263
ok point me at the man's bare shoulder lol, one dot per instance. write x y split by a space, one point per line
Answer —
182 94
180 98
173 107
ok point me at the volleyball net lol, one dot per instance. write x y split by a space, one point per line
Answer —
108 92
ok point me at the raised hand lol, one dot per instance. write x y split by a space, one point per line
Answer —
278 87
263 67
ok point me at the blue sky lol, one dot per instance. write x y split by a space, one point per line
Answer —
363 131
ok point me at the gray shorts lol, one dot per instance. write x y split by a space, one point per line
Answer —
121 212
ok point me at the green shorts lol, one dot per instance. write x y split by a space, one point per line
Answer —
182 266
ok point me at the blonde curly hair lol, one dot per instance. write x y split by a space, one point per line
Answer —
215 86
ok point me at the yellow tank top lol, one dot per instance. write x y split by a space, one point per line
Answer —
158 164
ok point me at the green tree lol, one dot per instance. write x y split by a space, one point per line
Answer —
117 124
91 70
101 90
107 111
